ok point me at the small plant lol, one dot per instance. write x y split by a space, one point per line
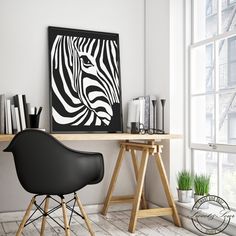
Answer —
185 180
201 184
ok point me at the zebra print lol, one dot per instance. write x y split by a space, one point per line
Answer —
85 80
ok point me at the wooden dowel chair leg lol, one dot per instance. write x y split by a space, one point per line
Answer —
45 216
25 218
66 225
87 221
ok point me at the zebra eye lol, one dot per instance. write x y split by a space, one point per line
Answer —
87 63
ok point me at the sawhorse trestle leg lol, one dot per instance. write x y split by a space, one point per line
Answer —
140 171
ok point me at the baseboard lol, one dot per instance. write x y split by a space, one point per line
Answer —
90 209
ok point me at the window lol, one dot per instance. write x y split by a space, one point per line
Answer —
213 94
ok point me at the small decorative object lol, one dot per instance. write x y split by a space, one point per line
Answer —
85 92
154 104
185 183
201 188
163 101
136 127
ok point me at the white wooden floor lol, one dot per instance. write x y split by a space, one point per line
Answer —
115 223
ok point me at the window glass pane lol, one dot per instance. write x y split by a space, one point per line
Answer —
202 119
205 19
227 63
228 15
229 178
206 163
202 71
232 128
232 61
227 118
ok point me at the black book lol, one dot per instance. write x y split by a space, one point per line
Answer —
27 121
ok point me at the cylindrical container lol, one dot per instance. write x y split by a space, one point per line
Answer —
185 196
34 121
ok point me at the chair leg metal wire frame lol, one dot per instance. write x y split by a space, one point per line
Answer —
44 213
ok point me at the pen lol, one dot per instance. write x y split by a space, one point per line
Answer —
39 111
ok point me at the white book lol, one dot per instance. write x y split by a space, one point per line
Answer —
142 110
9 121
137 113
22 112
17 119
13 115
133 113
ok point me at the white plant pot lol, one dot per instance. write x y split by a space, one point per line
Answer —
204 205
185 196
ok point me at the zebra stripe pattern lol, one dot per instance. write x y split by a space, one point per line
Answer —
89 80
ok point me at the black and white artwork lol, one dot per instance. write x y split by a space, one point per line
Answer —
85 90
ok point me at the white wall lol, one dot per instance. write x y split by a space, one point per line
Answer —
24 69
165 78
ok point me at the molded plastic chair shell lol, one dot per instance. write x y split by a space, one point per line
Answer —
47 167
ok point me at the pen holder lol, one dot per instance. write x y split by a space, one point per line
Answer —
34 120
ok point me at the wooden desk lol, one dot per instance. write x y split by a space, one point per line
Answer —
149 147
108 136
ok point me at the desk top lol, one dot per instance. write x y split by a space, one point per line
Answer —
107 136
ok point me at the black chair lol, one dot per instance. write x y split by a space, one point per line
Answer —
45 166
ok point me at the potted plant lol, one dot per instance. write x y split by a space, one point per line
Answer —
201 188
185 183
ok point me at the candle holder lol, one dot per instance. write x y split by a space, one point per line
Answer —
154 104
163 101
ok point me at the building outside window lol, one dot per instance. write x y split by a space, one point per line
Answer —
213 94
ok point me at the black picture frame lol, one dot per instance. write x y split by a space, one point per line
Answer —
85 82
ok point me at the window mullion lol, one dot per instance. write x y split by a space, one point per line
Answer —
192 162
192 22
216 88
219 5
224 35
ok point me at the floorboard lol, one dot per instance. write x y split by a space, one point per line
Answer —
113 224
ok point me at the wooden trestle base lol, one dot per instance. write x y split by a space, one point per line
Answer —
147 149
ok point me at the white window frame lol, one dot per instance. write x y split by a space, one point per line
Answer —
211 147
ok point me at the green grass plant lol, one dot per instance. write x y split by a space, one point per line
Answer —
201 184
185 180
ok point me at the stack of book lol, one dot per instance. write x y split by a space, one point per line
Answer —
14 114
140 110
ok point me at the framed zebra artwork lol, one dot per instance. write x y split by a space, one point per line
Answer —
85 84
